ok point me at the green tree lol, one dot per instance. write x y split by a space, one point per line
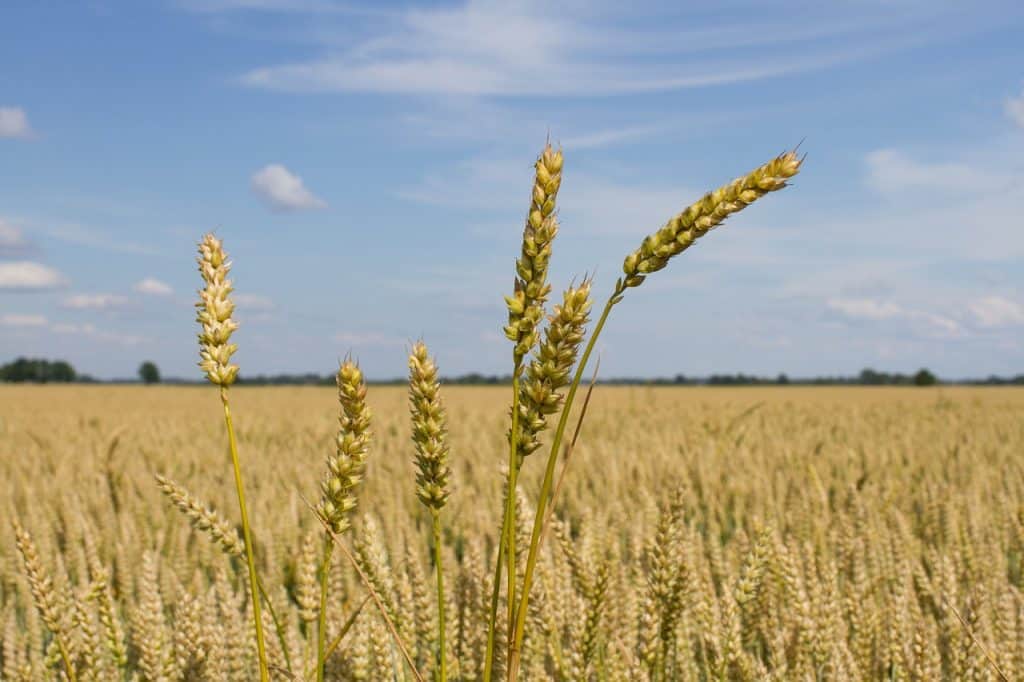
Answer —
149 373
37 371
924 378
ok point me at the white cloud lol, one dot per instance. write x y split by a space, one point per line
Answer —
995 311
153 287
489 47
94 301
1015 109
926 323
936 325
865 308
18 320
892 171
92 332
29 276
14 123
39 322
609 137
283 190
461 75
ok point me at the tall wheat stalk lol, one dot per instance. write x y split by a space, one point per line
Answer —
345 470
525 312
654 254
215 308
429 437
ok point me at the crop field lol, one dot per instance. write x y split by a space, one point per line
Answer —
701 534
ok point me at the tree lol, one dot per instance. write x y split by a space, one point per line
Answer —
924 378
37 370
149 373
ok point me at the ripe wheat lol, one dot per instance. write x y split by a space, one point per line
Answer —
704 535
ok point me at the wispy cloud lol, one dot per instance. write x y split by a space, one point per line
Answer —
29 276
282 190
610 137
892 171
153 287
16 320
14 123
90 331
865 308
94 301
996 311
928 323
35 324
527 49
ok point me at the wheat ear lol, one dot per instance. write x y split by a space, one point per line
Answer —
654 253
368 584
550 369
430 440
344 473
206 519
203 518
214 311
525 312
44 595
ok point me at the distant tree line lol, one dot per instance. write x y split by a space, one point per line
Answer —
35 370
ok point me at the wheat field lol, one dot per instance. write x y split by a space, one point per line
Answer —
702 534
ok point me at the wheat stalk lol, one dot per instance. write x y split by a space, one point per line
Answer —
215 308
525 312
46 598
655 252
429 437
344 473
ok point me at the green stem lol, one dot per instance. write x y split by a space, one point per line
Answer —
436 513
495 592
507 544
321 633
510 502
250 558
516 642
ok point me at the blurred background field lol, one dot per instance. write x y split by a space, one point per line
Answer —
816 533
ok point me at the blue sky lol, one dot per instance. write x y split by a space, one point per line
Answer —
368 167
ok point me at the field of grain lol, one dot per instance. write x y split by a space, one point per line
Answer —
703 534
